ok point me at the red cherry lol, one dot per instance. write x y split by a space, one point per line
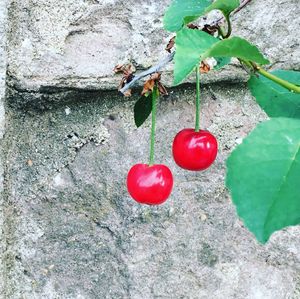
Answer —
194 150
149 185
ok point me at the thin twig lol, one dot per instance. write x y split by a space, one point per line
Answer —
222 19
246 2
154 69
161 64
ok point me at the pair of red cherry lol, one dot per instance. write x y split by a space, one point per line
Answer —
192 150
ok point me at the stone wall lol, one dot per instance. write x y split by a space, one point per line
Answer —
3 22
69 228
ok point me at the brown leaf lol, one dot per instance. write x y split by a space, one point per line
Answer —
122 83
204 68
118 68
210 29
156 77
128 93
162 89
148 87
129 77
150 83
124 68
170 44
127 71
192 26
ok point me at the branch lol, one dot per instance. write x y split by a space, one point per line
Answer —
246 2
161 64
154 69
222 19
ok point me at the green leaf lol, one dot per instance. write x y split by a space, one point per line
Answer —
263 175
182 12
235 47
274 99
221 62
190 45
142 110
226 6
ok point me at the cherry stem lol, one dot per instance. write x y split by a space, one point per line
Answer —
286 84
197 124
155 96
229 29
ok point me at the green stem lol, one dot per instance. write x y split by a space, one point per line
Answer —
229 28
155 95
197 124
290 86
286 84
221 32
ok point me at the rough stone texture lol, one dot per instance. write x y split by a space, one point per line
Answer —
75 233
77 43
3 12
70 229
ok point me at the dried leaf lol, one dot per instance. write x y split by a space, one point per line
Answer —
118 68
210 29
128 93
129 77
148 87
162 89
122 83
204 67
170 44
127 71
192 26
156 76
150 83
124 68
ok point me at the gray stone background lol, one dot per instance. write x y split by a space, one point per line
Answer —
68 226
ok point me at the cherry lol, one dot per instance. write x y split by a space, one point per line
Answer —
150 185
194 150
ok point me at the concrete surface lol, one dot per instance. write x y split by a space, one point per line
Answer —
76 44
69 228
3 14
75 233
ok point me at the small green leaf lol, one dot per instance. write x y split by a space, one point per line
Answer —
235 47
226 6
190 45
142 110
274 99
182 12
263 175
